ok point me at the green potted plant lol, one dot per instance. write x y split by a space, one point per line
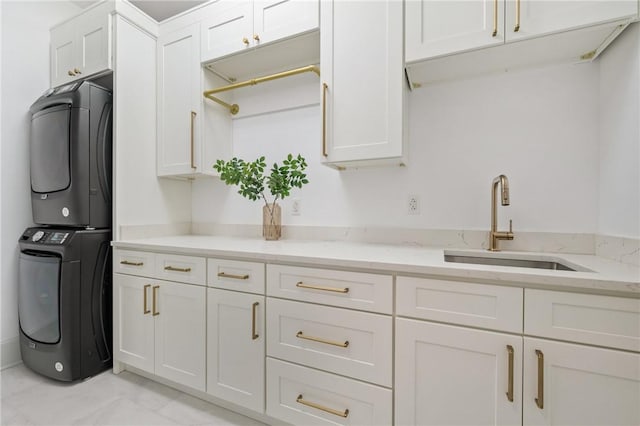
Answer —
253 182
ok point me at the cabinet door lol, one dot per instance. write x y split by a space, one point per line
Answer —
63 54
94 47
579 385
439 27
364 98
180 316
536 18
454 375
179 100
133 333
277 19
228 30
235 347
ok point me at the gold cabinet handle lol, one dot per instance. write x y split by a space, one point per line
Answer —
71 73
300 284
495 18
174 269
254 335
540 398
233 276
510 380
245 41
145 308
300 335
517 27
155 301
325 87
126 262
343 414
256 37
193 119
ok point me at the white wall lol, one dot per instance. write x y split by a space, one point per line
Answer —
619 190
539 127
25 75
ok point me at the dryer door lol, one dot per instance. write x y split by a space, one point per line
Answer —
38 302
49 149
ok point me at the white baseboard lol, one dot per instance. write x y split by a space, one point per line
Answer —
10 353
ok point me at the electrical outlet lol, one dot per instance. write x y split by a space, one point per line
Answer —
413 205
296 206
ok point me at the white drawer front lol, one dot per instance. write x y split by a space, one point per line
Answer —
303 396
356 344
369 292
235 275
478 305
186 269
131 262
585 318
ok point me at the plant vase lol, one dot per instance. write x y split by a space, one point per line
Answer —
271 221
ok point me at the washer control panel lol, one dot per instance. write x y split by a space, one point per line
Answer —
43 236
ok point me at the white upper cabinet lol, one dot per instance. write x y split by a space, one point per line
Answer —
234 26
179 102
530 18
435 28
362 89
81 47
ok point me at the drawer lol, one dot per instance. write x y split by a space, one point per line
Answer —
186 269
234 275
476 305
368 292
585 318
350 343
132 262
303 396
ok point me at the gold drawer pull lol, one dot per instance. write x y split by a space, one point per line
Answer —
235 277
343 414
300 335
510 381
540 399
318 287
155 301
145 309
172 268
126 262
254 335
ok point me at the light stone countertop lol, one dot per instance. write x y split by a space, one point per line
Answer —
604 276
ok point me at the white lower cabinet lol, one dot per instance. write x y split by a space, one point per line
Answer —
572 384
304 396
160 328
454 375
235 347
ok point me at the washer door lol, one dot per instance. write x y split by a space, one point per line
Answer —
38 296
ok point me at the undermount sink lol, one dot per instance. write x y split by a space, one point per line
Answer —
518 262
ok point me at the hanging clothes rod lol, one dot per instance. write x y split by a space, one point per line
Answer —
235 108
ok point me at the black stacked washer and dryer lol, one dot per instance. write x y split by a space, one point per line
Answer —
64 289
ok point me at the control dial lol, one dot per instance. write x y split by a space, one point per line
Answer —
37 236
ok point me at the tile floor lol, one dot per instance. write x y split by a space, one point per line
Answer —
106 399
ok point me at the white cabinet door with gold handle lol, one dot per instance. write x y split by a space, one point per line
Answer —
235 347
133 331
362 100
159 327
436 28
179 102
454 375
180 324
566 383
81 47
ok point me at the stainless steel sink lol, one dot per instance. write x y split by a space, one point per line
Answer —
507 261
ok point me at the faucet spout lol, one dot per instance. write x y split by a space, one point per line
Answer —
496 235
